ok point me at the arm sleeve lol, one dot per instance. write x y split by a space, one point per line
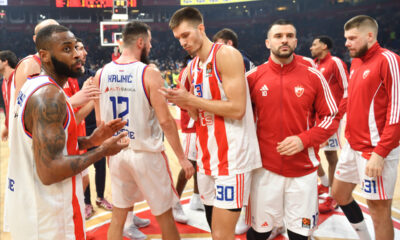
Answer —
391 80
342 75
326 108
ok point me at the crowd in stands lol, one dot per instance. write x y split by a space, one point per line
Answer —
168 55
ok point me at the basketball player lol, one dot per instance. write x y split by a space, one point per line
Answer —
226 139
370 157
8 62
336 74
130 90
44 170
285 96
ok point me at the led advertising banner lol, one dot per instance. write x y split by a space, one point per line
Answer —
91 3
209 2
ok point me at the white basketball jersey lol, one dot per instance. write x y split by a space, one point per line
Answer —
123 95
34 210
225 146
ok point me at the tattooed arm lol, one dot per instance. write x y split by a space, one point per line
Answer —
44 117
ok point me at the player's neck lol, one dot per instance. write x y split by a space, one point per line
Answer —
60 80
128 55
281 61
322 55
7 72
205 49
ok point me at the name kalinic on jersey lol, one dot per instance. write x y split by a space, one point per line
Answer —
120 78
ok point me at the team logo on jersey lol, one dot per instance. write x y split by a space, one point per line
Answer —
299 90
306 223
322 70
20 98
365 74
264 90
209 69
265 224
351 73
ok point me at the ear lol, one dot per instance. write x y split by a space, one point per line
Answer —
140 42
230 43
267 43
201 27
295 44
44 55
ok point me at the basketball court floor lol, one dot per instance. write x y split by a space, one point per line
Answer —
332 226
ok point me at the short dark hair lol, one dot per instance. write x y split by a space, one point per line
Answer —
227 34
190 14
10 57
361 20
45 35
280 22
326 40
133 30
79 40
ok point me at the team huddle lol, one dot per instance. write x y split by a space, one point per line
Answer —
251 135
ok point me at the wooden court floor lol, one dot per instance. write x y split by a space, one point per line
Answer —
174 165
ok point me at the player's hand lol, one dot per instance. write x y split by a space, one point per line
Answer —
179 96
88 82
187 166
105 131
324 144
4 133
87 93
374 166
114 145
290 146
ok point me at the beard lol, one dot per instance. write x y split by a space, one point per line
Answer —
144 57
63 69
278 54
363 50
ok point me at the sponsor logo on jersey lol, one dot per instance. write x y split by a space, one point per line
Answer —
120 78
119 89
264 90
306 223
365 74
265 224
299 90
209 69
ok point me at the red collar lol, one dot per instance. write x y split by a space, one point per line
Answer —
371 52
282 68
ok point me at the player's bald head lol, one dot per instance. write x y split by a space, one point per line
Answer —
42 25
363 23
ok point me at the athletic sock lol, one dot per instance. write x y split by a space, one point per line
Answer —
354 215
324 180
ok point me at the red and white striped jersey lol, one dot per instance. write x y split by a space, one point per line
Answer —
373 105
336 74
285 100
187 124
34 210
225 146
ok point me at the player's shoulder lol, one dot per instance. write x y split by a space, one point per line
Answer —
389 56
29 65
228 52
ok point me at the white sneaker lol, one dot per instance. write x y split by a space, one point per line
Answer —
195 203
276 231
140 222
241 226
133 233
179 214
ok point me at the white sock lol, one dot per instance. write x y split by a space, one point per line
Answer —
361 230
129 219
324 180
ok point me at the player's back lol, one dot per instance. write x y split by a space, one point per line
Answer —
123 95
